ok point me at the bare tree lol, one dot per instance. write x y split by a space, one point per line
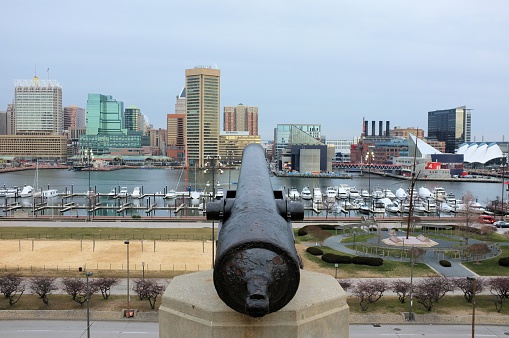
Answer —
430 290
416 253
478 250
104 284
43 286
148 290
499 287
328 205
345 284
467 286
469 218
318 233
401 288
12 288
77 288
369 291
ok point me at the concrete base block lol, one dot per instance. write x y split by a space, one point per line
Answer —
191 308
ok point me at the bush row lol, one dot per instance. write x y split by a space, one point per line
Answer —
504 261
359 260
445 263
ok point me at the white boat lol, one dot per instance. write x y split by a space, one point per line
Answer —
306 194
444 207
342 193
393 208
27 191
401 194
389 194
112 193
377 193
9 192
424 193
136 192
317 195
364 193
90 194
293 194
219 193
170 194
378 207
429 206
439 193
123 193
354 193
50 193
450 199
331 193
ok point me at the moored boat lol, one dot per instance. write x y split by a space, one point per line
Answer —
306 194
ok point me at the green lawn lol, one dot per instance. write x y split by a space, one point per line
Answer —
105 233
490 267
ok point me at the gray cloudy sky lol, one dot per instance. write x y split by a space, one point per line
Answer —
330 62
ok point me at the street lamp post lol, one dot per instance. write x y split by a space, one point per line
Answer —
410 313
128 296
473 280
143 272
336 266
88 274
212 160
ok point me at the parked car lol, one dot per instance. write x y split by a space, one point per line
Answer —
487 219
501 224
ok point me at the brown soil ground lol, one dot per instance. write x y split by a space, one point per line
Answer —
112 255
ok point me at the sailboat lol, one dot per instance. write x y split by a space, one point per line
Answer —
36 192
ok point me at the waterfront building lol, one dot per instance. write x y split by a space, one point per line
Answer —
133 118
403 132
453 126
241 118
157 141
288 134
29 147
38 107
104 130
341 150
232 144
480 152
180 102
176 136
202 114
74 117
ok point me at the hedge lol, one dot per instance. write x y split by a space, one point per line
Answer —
504 261
333 258
302 232
314 251
445 263
371 261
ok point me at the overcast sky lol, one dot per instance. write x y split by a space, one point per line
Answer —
326 62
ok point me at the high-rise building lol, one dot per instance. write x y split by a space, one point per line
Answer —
38 107
74 117
176 136
202 114
104 115
180 102
11 119
241 118
453 126
105 127
133 118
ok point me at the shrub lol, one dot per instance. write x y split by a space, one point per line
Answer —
445 263
302 231
314 251
136 216
384 229
504 261
333 258
371 261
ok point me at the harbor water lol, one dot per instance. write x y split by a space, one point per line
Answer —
154 183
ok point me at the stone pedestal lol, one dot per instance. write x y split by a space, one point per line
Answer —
191 308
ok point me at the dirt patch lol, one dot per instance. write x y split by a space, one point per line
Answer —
105 255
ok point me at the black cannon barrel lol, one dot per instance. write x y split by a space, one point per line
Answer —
257 268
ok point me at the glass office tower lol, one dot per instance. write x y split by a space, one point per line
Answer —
452 126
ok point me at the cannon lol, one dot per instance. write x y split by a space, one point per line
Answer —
257 268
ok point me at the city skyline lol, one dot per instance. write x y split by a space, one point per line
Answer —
331 64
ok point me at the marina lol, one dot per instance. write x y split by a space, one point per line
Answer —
169 193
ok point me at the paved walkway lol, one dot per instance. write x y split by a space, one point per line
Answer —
455 270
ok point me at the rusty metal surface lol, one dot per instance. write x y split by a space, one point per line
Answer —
257 269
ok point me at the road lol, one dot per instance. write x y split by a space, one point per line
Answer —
134 329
